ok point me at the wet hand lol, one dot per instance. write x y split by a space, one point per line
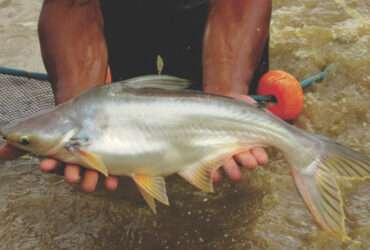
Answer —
249 159
7 152
72 175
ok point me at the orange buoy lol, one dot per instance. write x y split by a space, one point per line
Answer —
288 93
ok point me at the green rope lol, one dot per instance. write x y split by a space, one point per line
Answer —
316 78
17 72
304 83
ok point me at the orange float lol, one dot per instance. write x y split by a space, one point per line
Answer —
287 91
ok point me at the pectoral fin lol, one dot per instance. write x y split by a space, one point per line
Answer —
152 187
91 160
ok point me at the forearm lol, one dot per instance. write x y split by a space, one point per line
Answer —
235 36
73 46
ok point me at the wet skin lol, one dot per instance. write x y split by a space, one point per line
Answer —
75 56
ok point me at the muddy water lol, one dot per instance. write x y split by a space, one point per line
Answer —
263 211
18 26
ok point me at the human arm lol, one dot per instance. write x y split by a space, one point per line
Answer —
75 56
235 36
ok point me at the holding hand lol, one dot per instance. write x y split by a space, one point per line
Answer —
249 159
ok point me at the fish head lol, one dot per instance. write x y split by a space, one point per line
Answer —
37 134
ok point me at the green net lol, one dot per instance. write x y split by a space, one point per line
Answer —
22 96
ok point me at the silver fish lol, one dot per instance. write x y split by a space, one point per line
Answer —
150 127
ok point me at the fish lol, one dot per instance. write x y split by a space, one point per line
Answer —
150 127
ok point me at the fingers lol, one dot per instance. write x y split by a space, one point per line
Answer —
89 181
250 159
232 169
246 159
72 174
8 152
260 155
244 98
48 165
111 183
216 175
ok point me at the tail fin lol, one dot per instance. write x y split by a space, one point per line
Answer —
317 184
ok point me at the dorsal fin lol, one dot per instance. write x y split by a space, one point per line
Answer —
157 81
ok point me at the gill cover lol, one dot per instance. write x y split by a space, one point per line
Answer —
73 145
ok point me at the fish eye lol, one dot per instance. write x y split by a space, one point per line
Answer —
24 140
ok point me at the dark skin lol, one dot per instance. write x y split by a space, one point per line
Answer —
75 56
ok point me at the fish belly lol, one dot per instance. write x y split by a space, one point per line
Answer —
159 152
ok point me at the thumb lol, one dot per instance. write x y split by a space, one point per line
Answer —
8 152
244 98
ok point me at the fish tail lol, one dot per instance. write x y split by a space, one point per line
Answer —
317 184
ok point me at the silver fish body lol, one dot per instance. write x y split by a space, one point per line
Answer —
154 130
159 132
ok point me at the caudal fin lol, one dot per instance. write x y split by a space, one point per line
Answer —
317 183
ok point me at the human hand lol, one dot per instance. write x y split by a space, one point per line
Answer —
8 152
72 173
248 159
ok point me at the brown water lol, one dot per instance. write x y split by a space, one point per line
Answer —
263 211
18 40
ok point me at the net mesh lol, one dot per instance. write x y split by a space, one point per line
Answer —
22 96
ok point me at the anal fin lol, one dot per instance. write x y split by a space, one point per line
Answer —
200 176
148 199
152 187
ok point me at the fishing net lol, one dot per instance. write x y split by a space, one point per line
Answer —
22 96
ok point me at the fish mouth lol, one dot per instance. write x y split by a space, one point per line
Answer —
4 134
5 130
